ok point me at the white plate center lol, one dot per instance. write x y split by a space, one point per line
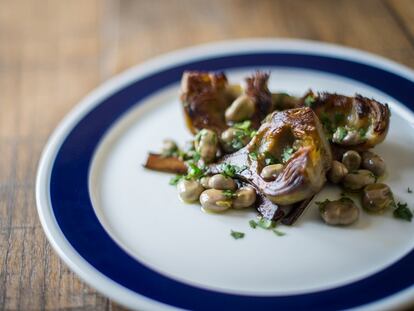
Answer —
141 211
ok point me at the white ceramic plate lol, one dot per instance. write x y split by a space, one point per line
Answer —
124 231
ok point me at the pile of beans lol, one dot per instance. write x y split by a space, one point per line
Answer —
358 173
216 193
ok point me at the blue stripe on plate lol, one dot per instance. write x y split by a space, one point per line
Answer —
75 215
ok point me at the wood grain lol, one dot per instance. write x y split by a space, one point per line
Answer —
52 53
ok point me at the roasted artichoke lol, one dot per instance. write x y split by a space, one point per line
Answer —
292 137
356 122
206 96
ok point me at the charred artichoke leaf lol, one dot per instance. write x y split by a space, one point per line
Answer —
257 90
303 174
158 162
205 97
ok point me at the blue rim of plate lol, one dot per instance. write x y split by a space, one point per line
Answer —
74 213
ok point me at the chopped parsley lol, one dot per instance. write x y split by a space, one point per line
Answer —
341 133
174 181
229 170
237 235
278 233
266 224
246 128
242 135
253 155
409 190
309 101
229 194
237 141
287 154
270 159
363 132
245 125
403 212
194 172
253 224
196 156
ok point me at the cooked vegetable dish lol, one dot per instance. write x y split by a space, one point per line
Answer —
275 152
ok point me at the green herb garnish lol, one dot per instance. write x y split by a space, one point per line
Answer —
403 212
253 224
363 132
287 154
245 125
341 132
229 194
253 155
196 156
174 181
237 142
237 235
309 101
270 159
194 172
265 223
242 134
229 170
278 233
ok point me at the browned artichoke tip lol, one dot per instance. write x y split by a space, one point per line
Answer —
373 162
337 172
352 160
341 212
358 179
204 98
377 198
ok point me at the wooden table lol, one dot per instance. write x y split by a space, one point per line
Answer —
52 53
